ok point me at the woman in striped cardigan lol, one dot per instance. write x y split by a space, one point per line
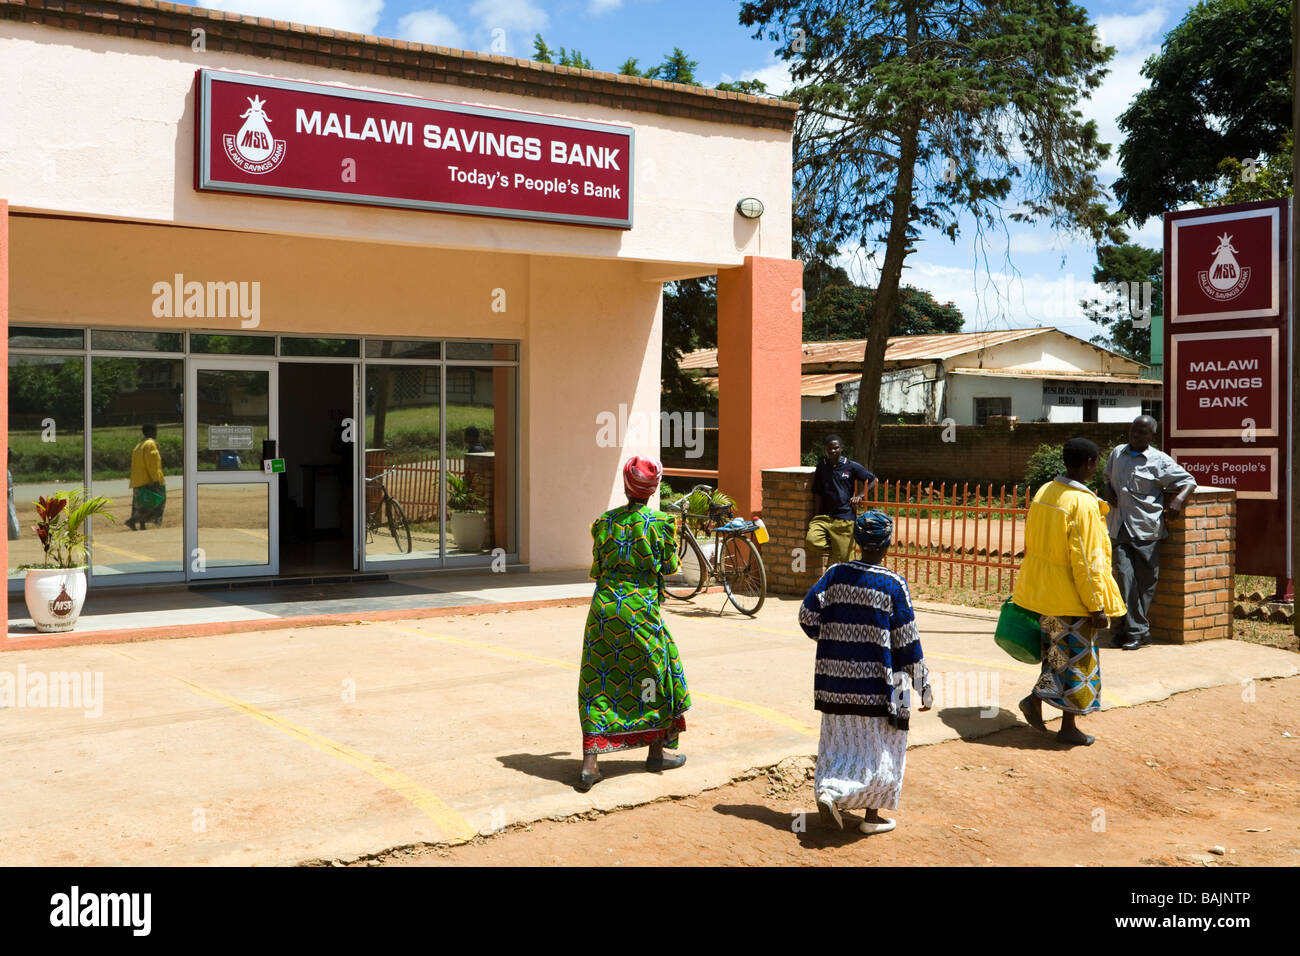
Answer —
868 652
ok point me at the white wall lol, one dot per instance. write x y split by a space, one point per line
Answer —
1026 396
923 397
104 126
815 408
1049 350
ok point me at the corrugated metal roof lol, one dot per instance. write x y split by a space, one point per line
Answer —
810 386
901 348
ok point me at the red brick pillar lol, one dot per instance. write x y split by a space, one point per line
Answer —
1194 593
760 340
787 509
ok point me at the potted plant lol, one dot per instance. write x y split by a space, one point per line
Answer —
468 519
56 589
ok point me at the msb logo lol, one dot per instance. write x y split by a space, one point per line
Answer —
1226 278
253 149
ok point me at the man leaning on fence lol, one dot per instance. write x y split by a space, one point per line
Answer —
835 492
1137 478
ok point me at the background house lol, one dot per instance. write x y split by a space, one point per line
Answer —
1034 374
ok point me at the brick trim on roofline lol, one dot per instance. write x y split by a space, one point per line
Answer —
171 23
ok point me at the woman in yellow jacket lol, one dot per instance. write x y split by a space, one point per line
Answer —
148 486
1066 580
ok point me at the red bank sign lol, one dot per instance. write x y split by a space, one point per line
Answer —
271 137
1226 266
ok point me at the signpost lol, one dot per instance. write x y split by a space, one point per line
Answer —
272 137
1228 373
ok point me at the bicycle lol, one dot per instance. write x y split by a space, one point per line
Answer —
739 565
388 512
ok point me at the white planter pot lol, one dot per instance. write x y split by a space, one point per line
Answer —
469 529
55 596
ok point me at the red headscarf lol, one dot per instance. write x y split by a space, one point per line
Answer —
641 477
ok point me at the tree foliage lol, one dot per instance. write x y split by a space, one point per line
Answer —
844 312
1220 90
561 57
919 113
1126 262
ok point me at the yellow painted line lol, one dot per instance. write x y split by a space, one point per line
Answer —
448 821
122 551
758 710
1106 695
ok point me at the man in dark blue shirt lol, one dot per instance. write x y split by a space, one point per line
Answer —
835 492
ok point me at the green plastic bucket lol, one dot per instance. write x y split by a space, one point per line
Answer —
1018 633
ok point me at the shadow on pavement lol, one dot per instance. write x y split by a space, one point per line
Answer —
812 836
1011 731
563 768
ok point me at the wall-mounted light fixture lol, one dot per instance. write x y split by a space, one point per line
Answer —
750 208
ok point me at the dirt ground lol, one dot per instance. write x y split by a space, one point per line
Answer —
1164 784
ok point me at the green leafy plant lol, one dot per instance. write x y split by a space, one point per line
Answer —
462 497
61 527
1049 461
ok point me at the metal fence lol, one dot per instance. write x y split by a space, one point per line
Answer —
964 536
414 481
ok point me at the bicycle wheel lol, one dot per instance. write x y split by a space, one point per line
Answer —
397 526
689 578
744 577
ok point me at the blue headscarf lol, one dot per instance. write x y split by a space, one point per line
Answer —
873 530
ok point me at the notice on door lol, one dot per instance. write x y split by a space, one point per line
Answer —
1251 473
230 437
1225 385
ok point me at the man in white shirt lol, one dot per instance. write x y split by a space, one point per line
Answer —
1137 479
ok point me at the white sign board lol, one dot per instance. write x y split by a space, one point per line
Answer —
229 437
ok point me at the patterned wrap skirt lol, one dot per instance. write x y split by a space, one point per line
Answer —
860 762
1070 679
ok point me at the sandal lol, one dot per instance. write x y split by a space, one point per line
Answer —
829 812
666 762
588 780
884 826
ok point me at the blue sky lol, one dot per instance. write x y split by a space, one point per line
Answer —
1027 276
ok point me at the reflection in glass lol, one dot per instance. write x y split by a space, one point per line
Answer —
323 348
232 344
46 442
234 524
480 458
122 341
137 460
233 418
28 337
402 348
402 440
483 351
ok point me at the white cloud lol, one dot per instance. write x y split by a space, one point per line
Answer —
513 16
597 7
431 26
776 75
357 16
1135 38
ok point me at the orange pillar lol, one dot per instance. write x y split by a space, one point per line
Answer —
4 355
760 338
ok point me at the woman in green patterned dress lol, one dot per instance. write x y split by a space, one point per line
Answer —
631 685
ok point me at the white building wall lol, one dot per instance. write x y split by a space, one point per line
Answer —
1049 350
814 408
1026 396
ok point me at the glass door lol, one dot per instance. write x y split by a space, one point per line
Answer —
231 504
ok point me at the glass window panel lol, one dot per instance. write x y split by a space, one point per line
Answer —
46 442
402 348
483 351
320 348
234 523
481 406
403 434
27 337
137 461
232 344
136 341
233 418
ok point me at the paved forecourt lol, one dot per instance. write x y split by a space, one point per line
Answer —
334 742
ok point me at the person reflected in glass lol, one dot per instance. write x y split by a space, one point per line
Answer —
473 443
148 485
